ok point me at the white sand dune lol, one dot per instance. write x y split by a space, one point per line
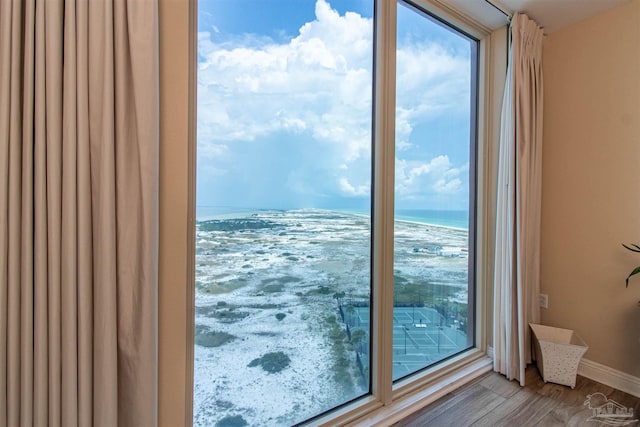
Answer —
294 267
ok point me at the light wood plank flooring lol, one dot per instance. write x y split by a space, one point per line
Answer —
492 400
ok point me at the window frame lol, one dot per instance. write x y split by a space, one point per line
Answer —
388 397
388 402
418 7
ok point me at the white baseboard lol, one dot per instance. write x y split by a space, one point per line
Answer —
609 376
604 375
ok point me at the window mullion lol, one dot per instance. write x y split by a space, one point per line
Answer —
383 193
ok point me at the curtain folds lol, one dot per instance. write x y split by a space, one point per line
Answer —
78 212
517 265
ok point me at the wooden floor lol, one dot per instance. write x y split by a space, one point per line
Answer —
492 400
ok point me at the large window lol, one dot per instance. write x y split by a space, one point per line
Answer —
287 324
434 182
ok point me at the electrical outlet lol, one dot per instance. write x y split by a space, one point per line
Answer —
544 301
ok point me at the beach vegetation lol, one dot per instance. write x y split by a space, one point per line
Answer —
319 290
341 371
339 296
236 224
265 334
282 280
273 288
223 404
206 337
271 362
351 312
263 306
224 313
229 315
418 292
205 310
358 337
232 421
452 312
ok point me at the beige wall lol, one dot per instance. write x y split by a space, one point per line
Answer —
591 184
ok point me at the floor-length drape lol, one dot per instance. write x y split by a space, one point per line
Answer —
517 267
78 212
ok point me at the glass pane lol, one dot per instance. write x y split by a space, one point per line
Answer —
432 286
283 209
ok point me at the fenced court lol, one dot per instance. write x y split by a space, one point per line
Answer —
421 336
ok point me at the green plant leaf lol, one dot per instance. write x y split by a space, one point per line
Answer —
635 271
635 248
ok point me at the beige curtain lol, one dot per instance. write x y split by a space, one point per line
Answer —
517 268
78 212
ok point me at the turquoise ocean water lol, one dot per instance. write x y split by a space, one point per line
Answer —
457 219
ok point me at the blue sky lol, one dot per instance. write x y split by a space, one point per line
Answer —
284 107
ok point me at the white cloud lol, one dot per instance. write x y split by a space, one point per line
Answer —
320 81
349 190
318 85
415 180
213 150
447 187
430 81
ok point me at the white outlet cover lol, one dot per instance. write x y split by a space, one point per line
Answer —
544 301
